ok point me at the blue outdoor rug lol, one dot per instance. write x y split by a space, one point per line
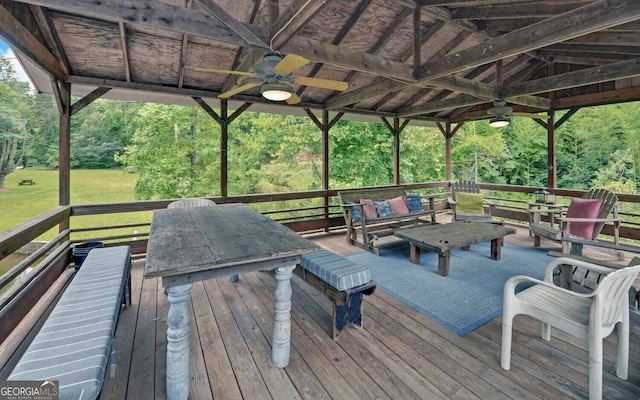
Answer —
469 297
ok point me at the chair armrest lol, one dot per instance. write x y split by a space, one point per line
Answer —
350 204
553 264
537 211
572 219
511 284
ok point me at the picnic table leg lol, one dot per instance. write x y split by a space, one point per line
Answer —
414 254
443 263
496 245
178 331
281 343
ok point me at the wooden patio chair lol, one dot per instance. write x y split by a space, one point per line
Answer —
468 204
584 219
590 317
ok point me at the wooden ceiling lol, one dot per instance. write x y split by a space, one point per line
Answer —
425 60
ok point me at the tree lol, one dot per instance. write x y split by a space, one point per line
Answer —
14 100
174 151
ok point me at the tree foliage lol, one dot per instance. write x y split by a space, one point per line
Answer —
15 101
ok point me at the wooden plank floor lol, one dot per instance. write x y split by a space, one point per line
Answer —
400 354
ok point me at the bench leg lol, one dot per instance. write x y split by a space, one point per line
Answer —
112 368
349 313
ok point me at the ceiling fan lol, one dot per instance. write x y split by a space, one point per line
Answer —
274 75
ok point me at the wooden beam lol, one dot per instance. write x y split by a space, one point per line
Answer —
23 41
293 19
125 54
88 99
346 27
531 101
619 70
317 51
584 20
460 101
203 104
238 112
236 27
50 35
597 99
358 95
155 14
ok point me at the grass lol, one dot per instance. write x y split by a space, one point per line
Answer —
23 202
87 186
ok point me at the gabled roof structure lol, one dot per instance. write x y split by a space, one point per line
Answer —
423 60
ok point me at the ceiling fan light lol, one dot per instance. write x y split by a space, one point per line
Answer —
276 91
499 122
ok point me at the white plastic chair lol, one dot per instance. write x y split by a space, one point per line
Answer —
186 203
591 317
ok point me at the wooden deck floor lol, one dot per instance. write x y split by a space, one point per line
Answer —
400 354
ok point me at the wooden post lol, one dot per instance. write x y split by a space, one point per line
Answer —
396 151
551 150
224 141
64 190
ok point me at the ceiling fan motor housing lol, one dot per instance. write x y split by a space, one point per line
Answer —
266 69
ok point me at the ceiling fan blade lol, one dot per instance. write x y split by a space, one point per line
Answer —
290 63
239 89
531 115
224 71
294 99
321 83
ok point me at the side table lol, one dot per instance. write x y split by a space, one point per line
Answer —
535 209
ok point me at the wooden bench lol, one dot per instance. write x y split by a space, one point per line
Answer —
370 229
77 339
343 281
27 182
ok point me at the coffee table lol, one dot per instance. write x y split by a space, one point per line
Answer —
443 238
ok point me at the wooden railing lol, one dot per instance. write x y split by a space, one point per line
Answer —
322 213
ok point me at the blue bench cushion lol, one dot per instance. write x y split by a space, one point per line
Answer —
337 271
75 343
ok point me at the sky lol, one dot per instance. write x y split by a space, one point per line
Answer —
5 52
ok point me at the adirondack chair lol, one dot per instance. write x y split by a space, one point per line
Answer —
590 317
584 219
468 204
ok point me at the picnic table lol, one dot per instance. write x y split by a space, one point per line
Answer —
27 182
198 243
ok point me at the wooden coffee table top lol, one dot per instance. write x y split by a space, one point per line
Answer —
441 238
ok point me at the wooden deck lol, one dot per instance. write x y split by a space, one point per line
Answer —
400 353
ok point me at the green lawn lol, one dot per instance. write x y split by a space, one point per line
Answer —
22 202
